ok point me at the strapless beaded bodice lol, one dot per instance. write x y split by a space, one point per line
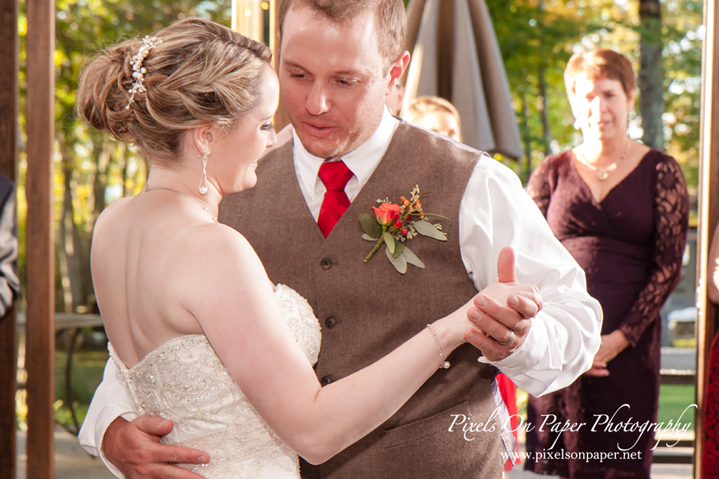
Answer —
185 381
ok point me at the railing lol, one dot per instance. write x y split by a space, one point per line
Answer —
677 376
676 448
73 322
66 321
679 453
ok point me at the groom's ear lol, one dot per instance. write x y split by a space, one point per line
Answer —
396 70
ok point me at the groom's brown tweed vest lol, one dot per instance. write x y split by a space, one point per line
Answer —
368 309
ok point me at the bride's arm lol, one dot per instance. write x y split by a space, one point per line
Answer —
230 296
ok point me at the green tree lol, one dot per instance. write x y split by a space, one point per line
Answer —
537 37
92 169
651 73
682 55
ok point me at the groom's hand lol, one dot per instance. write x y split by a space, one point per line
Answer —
135 448
503 312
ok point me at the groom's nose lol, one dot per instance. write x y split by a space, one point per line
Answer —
318 101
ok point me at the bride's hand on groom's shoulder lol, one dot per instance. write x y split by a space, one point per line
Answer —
502 312
135 449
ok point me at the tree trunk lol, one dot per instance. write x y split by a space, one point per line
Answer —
63 239
99 184
102 156
526 137
125 170
71 265
651 74
70 241
542 106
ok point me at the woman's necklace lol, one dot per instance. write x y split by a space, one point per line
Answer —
603 173
200 203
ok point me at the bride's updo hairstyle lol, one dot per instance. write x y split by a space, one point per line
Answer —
196 73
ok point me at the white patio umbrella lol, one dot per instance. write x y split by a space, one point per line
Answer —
455 56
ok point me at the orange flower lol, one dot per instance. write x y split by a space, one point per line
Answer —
386 213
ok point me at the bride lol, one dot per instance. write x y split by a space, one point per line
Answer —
198 332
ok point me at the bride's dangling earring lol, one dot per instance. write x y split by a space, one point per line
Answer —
203 180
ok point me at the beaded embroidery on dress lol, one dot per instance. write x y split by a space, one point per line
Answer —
185 381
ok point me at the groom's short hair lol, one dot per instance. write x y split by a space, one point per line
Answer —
390 16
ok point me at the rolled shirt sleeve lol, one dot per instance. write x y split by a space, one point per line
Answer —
109 403
564 337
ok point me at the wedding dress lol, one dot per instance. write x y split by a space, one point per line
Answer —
185 381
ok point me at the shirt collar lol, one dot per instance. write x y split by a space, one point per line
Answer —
362 161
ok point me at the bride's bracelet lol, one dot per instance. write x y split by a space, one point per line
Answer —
445 363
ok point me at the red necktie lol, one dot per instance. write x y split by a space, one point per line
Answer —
334 175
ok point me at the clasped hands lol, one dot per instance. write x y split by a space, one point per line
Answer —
502 312
612 344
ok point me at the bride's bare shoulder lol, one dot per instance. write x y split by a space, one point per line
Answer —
118 205
113 212
222 244
112 215
220 262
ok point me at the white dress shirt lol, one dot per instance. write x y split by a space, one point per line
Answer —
362 162
494 212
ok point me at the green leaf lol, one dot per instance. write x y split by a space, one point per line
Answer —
398 248
425 228
389 241
367 237
412 258
370 226
400 264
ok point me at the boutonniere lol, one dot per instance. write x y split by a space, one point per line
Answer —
394 224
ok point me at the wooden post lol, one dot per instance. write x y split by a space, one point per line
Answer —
9 49
280 119
274 12
40 245
248 18
241 22
708 207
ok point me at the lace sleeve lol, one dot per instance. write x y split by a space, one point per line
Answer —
538 187
671 218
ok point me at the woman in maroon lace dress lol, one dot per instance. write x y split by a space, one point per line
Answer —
621 209
710 452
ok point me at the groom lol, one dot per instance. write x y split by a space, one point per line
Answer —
340 59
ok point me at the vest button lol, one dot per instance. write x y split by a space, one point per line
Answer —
330 322
326 263
325 380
